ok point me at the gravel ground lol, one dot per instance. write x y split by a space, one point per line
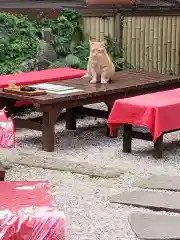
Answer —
84 198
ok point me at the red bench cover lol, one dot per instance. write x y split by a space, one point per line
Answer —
42 76
159 112
26 212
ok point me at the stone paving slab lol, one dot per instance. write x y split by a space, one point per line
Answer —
159 201
165 182
61 164
155 227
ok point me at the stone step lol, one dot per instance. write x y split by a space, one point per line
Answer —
159 201
164 182
155 227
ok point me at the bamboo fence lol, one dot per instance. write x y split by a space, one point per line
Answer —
150 43
97 27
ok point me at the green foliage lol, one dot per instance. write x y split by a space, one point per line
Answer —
20 42
69 42
17 43
116 54
59 64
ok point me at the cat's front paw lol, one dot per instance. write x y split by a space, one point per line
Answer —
94 80
104 81
86 75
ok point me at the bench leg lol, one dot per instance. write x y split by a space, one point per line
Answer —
71 118
158 147
109 105
114 133
2 172
127 138
48 134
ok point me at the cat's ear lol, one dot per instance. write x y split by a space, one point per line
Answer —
104 43
91 40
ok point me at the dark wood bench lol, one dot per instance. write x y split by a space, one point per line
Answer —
123 84
130 132
35 77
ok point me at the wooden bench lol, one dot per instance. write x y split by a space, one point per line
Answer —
130 132
156 111
43 76
123 84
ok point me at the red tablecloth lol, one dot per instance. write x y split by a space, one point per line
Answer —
26 212
42 76
157 111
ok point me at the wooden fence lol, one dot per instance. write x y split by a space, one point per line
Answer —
151 43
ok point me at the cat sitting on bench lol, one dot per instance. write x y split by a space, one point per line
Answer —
100 67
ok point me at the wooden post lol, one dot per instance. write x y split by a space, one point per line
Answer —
2 172
127 138
48 134
109 105
158 147
71 118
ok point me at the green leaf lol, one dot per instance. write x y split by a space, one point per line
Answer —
72 60
58 64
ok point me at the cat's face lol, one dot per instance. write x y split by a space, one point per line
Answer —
97 49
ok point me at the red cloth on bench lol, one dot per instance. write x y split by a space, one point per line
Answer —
26 212
42 76
159 112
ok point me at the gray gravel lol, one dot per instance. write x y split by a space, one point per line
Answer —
84 199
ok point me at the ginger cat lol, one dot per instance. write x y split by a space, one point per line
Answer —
100 67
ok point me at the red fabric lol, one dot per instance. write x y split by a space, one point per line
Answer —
26 212
7 135
157 111
36 77
22 103
3 116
